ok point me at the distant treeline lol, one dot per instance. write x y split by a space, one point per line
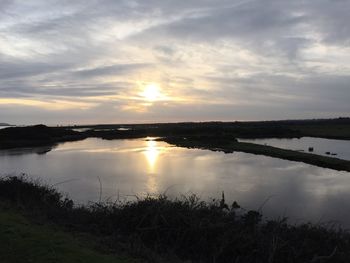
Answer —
327 128
38 135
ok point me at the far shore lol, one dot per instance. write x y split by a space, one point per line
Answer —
215 136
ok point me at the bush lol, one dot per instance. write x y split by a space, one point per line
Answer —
184 228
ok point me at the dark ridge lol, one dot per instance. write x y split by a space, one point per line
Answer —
339 120
324 128
37 135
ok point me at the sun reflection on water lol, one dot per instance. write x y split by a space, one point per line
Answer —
152 152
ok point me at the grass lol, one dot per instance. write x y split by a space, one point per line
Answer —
24 241
163 230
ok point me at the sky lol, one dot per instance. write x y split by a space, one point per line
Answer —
138 61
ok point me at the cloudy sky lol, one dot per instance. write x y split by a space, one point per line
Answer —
116 61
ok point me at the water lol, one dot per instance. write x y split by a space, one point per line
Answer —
102 129
81 129
339 147
3 127
135 167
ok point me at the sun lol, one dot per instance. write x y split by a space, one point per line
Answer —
151 92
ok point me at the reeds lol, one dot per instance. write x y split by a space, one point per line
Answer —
182 229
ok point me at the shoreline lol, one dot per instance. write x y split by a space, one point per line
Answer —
210 136
270 151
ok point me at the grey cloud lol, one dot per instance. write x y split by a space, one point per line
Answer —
50 88
51 48
255 23
4 5
331 18
20 69
266 26
323 93
29 91
111 70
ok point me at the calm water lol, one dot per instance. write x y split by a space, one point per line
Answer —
339 147
136 167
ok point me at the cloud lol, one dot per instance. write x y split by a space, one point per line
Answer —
244 59
23 69
110 70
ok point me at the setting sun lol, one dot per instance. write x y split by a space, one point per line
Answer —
151 92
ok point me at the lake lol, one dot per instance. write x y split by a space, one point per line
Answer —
129 168
339 148
4 127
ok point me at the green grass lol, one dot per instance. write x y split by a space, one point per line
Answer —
24 241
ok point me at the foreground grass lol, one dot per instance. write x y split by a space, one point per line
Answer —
159 230
24 241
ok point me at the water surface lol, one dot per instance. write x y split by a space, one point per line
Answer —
4 127
136 167
334 148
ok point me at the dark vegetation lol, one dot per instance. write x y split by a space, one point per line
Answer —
181 230
324 128
229 146
219 136
22 240
38 135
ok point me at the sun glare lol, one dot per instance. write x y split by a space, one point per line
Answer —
152 153
151 92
